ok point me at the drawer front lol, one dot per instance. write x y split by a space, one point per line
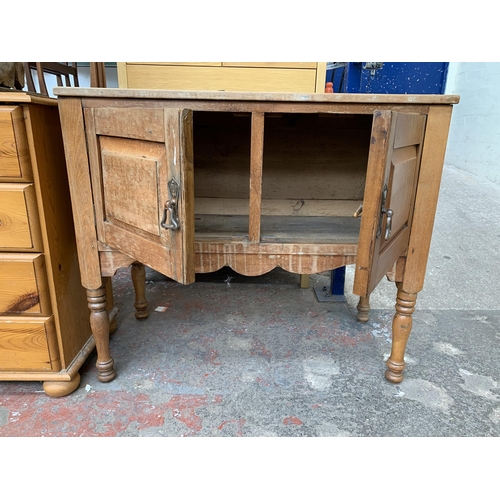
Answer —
19 224
14 150
28 345
285 65
23 285
223 78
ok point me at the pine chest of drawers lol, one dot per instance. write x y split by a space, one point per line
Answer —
45 332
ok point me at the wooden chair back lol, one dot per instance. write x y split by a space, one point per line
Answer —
68 71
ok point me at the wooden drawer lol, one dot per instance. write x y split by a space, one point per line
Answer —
19 224
229 78
14 151
28 344
286 65
23 285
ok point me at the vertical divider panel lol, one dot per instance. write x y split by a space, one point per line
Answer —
256 159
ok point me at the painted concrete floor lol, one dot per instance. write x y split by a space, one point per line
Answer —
267 359
262 357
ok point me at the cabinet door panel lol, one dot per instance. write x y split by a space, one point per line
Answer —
132 179
393 166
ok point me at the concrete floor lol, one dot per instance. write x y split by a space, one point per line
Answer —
262 357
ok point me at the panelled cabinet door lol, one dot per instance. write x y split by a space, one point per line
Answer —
393 166
141 164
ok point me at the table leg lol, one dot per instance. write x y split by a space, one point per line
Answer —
138 274
363 309
401 328
99 323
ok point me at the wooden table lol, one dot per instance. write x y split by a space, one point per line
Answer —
188 182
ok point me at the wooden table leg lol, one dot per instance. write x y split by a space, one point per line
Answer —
401 328
138 274
99 323
363 309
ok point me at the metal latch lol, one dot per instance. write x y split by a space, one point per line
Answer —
373 66
171 206
385 211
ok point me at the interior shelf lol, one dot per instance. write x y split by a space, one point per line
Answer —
279 229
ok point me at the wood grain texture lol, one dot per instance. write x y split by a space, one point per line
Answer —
304 157
121 68
186 208
377 163
9 161
429 181
145 93
256 158
81 192
15 162
394 172
145 124
28 344
250 106
401 328
294 207
226 78
19 221
19 97
111 261
23 285
138 275
284 65
315 153
258 264
50 177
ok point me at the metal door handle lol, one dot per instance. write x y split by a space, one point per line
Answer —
171 206
388 223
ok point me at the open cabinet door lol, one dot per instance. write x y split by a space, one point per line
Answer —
142 176
391 179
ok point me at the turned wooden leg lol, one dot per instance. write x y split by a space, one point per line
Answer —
138 273
401 328
99 323
363 309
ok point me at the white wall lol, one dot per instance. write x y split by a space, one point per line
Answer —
474 140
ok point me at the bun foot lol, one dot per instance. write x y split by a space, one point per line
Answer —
105 371
57 389
394 372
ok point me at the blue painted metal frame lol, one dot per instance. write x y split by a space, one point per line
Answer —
337 281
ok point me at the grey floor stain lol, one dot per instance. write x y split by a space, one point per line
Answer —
494 416
318 372
4 416
331 430
479 385
447 348
426 393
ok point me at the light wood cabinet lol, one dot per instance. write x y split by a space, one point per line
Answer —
188 182
227 76
45 332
